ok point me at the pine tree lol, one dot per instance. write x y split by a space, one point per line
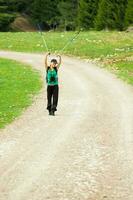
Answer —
68 14
111 14
6 16
120 12
41 10
44 11
129 13
87 11
20 6
105 17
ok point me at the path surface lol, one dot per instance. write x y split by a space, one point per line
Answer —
85 152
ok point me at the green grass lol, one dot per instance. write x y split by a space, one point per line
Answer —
18 84
89 44
124 70
105 47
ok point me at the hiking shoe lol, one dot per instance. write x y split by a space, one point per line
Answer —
52 113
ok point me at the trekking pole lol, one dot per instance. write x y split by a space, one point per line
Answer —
70 41
44 41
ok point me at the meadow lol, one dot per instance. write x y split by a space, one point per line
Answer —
18 84
113 50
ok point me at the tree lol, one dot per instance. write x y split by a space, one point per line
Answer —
44 11
111 14
87 10
129 13
120 12
20 6
68 14
6 16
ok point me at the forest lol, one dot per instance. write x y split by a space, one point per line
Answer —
69 15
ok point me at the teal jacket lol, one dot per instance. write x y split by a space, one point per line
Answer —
52 76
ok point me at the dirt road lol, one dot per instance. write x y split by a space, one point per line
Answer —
85 152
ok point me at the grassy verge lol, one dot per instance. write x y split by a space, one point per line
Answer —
112 49
18 84
125 70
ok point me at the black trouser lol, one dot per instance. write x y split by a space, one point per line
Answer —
52 97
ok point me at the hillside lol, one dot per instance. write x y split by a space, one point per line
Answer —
23 23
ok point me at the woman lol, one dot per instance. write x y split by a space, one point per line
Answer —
52 84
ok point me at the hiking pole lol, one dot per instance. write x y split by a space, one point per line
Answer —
70 41
44 41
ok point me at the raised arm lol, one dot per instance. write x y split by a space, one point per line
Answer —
46 60
60 60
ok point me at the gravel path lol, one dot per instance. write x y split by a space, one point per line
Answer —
85 152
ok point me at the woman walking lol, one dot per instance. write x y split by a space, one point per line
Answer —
52 83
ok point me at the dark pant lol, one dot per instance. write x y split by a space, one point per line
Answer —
52 97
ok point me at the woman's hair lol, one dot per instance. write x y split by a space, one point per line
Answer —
54 61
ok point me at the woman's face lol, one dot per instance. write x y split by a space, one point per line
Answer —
53 64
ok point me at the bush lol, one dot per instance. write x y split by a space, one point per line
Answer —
129 14
5 20
3 9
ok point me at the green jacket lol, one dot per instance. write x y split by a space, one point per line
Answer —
52 76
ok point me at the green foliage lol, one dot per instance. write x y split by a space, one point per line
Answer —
129 13
3 9
5 20
120 12
111 14
87 11
2 2
6 17
44 11
67 14
106 16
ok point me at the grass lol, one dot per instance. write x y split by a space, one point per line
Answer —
124 70
108 48
18 84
